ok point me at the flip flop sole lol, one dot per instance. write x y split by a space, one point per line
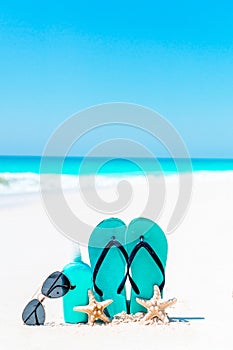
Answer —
144 271
112 269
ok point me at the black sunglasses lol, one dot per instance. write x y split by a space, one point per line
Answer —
55 286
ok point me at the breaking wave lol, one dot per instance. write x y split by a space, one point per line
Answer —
26 183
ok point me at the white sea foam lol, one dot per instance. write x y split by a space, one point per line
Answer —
26 183
18 183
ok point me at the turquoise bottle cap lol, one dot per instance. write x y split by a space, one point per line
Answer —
76 252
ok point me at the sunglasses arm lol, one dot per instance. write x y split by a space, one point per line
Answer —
38 295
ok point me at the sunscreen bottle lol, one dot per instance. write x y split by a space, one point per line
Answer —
80 276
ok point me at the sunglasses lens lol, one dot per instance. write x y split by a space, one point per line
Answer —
33 313
56 285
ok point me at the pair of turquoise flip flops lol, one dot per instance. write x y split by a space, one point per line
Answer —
117 253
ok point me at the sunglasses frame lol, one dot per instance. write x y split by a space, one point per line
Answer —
40 297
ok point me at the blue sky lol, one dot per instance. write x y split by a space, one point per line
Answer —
58 57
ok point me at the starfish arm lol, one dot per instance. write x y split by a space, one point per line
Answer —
164 304
91 319
76 308
163 317
149 316
105 303
91 296
142 302
157 294
104 318
85 309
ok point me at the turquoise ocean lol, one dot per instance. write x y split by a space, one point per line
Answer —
21 174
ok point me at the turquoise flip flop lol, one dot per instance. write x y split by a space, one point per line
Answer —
108 259
147 250
80 276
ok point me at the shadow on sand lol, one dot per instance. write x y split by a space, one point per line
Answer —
185 319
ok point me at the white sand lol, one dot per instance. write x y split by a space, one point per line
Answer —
199 273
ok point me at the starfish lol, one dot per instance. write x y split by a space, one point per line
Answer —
94 309
156 306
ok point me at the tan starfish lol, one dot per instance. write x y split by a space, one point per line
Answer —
94 309
156 306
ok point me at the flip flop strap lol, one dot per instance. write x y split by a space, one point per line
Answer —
105 251
139 245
